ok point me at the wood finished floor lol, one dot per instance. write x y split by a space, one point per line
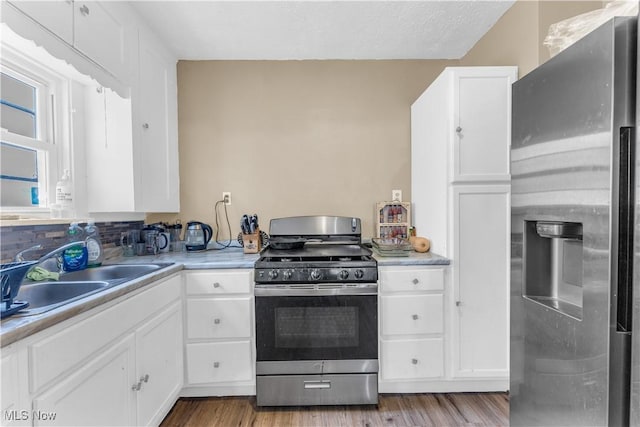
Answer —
441 410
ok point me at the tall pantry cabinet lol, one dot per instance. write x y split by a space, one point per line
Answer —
460 142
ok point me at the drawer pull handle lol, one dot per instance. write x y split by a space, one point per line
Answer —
414 317
414 361
145 126
317 384
216 321
216 285
145 378
216 364
415 281
136 387
458 303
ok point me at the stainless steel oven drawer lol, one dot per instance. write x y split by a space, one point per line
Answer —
299 390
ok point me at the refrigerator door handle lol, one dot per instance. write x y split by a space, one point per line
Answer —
626 205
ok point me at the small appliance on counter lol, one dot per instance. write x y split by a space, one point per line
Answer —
197 236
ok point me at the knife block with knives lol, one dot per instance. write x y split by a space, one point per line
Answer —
250 234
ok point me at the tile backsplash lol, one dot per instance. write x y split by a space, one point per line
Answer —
14 239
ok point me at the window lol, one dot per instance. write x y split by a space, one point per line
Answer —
28 153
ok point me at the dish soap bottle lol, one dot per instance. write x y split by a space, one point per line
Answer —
95 254
75 257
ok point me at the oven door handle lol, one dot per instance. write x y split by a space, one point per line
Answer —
270 291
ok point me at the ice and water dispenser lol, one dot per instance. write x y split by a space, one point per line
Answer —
552 267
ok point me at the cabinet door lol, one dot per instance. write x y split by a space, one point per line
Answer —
219 362
99 393
100 33
159 365
109 142
15 407
480 312
481 123
157 126
55 15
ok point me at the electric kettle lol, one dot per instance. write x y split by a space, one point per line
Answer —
197 235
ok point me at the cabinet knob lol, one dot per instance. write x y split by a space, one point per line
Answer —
414 361
414 317
216 285
458 129
145 126
144 379
216 364
84 10
415 281
216 321
458 303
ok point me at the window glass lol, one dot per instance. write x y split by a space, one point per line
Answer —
18 101
24 151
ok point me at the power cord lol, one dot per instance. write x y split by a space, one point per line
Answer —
226 214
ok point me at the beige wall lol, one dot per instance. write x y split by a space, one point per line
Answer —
319 137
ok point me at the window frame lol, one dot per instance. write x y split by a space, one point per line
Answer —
52 94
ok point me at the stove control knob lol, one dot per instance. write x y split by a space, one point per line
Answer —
344 274
359 274
273 274
315 274
287 274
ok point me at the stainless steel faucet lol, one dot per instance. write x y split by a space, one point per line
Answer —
53 254
20 255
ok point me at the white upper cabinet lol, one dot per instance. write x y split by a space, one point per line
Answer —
55 15
100 32
156 127
481 117
469 124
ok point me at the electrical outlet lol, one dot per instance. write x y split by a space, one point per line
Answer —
226 196
396 195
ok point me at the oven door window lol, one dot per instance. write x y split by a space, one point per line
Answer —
312 328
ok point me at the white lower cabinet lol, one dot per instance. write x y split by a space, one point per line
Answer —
411 326
118 364
219 329
98 393
428 336
14 402
159 349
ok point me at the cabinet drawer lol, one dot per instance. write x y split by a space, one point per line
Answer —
219 318
415 314
219 362
58 352
415 279
219 282
408 359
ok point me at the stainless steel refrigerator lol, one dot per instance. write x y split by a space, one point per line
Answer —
575 255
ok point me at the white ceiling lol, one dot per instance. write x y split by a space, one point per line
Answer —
281 30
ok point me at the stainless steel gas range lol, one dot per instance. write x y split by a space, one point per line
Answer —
316 314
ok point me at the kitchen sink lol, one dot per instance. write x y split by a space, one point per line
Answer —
72 286
112 272
45 296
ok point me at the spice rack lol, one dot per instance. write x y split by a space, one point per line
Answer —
393 219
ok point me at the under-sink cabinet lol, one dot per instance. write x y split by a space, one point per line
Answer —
219 333
117 364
